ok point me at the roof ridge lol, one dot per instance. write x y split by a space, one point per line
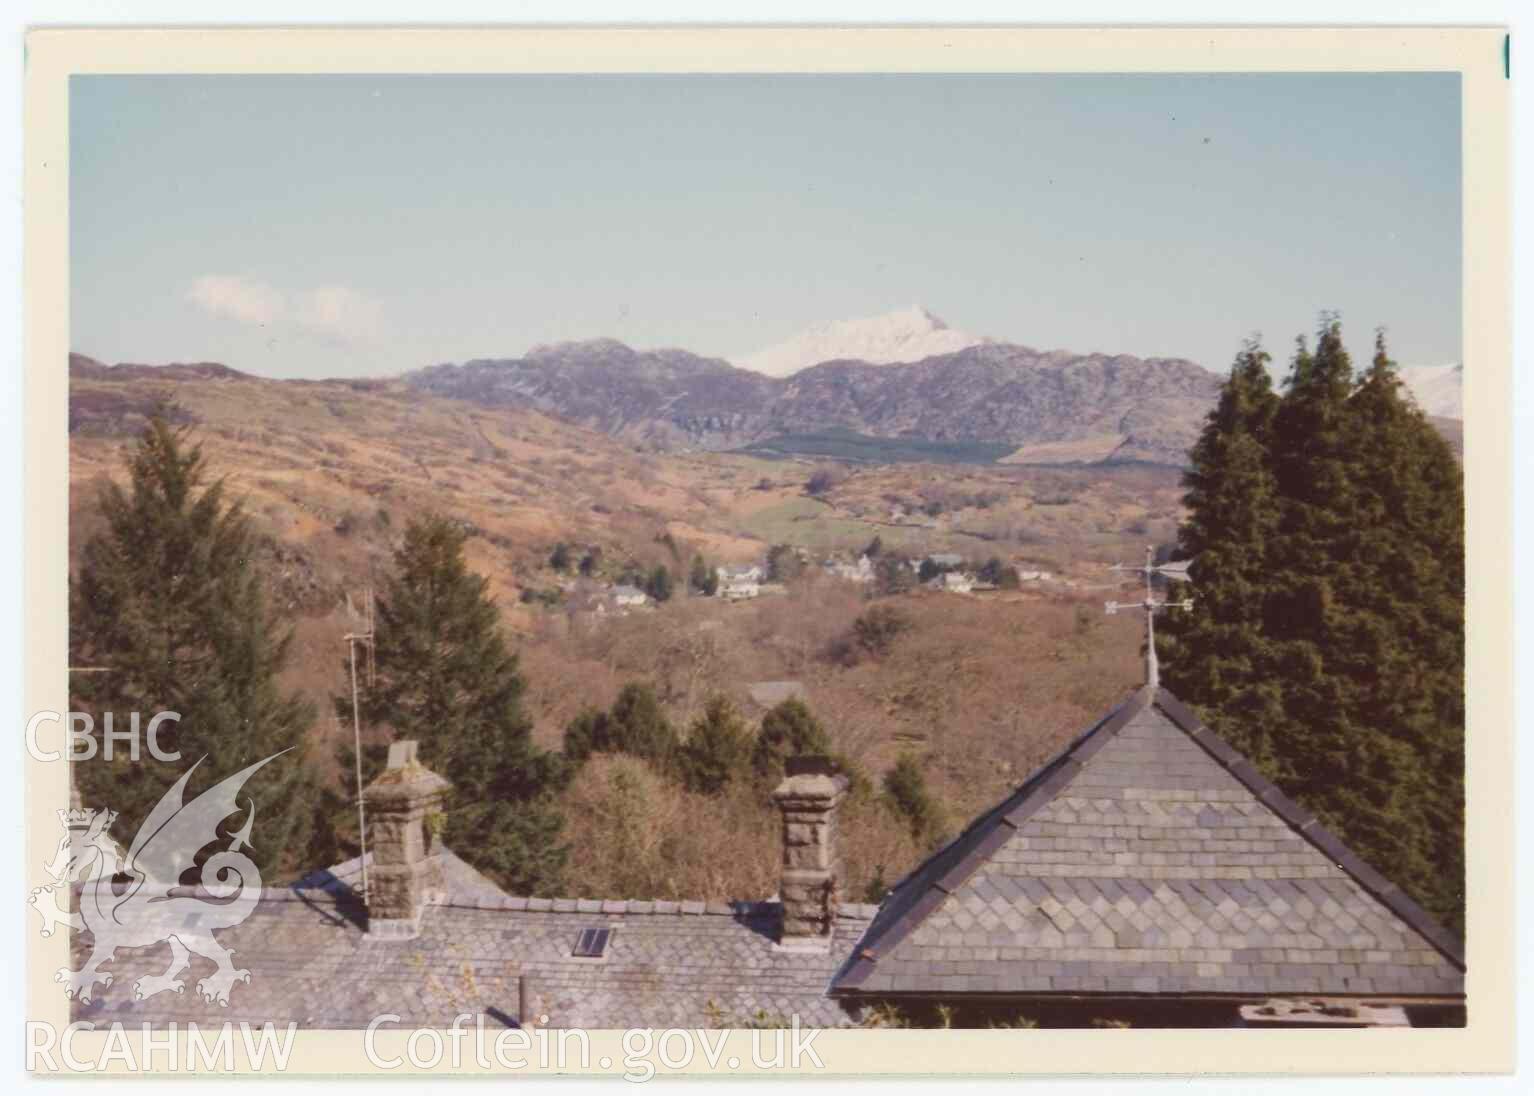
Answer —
853 911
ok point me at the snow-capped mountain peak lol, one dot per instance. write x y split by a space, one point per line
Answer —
1438 389
908 335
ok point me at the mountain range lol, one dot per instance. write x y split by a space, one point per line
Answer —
1119 407
961 398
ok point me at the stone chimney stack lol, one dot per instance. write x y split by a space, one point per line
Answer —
404 816
808 798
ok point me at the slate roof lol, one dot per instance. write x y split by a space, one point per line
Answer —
311 963
1150 858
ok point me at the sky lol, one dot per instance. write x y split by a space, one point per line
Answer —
329 226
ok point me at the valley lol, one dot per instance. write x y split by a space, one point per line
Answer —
980 685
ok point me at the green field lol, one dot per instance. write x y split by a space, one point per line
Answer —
816 525
848 445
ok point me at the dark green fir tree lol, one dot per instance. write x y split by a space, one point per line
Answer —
1217 657
168 605
446 678
1327 640
717 749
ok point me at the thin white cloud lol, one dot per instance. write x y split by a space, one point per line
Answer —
335 312
341 312
233 297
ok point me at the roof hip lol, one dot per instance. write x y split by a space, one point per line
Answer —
919 894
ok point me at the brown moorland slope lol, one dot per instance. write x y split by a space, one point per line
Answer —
979 687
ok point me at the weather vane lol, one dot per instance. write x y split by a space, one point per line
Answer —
1150 605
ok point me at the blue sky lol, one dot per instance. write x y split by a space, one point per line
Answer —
356 225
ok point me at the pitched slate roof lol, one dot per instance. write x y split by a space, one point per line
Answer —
1150 858
669 964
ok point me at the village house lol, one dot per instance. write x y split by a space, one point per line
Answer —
738 583
861 571
953 582
748 572
1146 874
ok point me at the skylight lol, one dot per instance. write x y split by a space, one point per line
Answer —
592 943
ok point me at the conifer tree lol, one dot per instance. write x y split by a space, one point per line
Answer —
635 725
167 601
905 789
717 750
639 727
658 583
1233 505
446 678
1402 644
1342 768
704 579
1327 639
788 729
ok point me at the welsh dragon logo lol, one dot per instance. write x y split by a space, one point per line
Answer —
132 901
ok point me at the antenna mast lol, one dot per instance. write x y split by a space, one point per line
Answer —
365 637
1150 605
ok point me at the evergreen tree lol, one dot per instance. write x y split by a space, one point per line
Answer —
167 600
658 583
446 679
1215 657
638 726
997 573
789 729
1401 645
1327 640
704 579
717 750
635 725
783 563
588 733
905 789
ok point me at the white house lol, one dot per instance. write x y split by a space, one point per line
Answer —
861 571
738 582
954 582
738 589
748 572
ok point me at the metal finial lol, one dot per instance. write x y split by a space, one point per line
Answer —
1150 605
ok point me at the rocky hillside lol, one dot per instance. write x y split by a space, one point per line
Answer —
1121 407
666 398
